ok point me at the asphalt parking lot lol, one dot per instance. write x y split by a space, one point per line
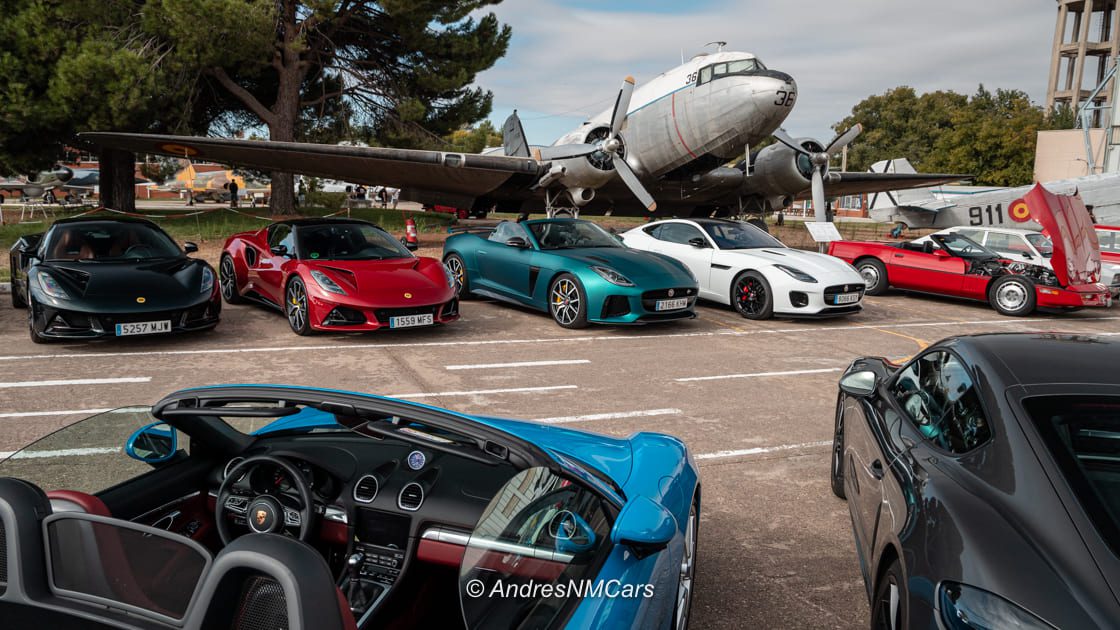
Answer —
754 401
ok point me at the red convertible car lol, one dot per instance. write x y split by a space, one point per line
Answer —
954 265
336 275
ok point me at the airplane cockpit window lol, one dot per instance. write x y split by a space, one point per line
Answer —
740 66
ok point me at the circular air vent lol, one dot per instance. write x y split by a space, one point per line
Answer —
411 497
365 491
230 466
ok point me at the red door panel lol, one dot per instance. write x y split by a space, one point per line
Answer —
927 272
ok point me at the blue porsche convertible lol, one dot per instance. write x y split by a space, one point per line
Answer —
573 269
315 508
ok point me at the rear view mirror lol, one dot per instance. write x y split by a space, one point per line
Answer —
859 383
152 444
190 247
698 242
645 526
518 242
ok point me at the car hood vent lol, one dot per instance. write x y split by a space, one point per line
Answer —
365 491
411 497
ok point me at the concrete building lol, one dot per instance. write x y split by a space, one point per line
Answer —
1085 43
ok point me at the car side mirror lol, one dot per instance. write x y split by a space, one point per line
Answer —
644 526
518 242
698 242
152 444
940 253
279 250
860 384
190 247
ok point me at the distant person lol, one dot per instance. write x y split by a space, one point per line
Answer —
383 196
233 194
360 192
396 197
301 198
781 218
49 197
896 232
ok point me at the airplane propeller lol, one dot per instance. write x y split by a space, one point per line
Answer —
820 160
611 145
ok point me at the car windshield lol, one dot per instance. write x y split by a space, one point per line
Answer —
738 235
100 241
962 246
569 234
1042 244
1082 433
347 241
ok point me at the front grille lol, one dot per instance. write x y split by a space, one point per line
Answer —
383 314
344 316
650 298
831 292
615 306
664 316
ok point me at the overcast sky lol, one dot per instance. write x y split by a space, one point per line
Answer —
568 57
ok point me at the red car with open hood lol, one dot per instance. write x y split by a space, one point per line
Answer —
339 275
954 265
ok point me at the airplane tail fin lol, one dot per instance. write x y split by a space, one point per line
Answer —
513 137
898 198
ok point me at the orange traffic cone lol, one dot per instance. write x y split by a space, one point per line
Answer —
411 240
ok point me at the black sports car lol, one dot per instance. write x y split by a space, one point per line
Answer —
983 482
103 277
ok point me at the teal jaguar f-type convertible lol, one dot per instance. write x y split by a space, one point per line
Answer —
573 269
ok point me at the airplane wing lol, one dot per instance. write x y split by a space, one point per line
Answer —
853 183
421 175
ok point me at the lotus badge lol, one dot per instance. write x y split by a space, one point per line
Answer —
261 517
408 296
141 300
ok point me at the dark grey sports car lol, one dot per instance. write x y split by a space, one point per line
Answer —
102 277
983 482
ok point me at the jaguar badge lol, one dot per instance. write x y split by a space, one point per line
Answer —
671 292
261 517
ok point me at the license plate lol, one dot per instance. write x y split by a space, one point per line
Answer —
671 305
407 321
847 298
144 328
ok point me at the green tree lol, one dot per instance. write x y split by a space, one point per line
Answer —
989 135
473 139
403 68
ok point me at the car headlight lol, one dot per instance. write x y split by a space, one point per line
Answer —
324 281
612 276
207 280
965 607
51 287
797 274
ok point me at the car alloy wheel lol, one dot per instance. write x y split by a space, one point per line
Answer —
687 572
227 280
874 275
1011 296
890 606
295 304
566 302
751 296
458 272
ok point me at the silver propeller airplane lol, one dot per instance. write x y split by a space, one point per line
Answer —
665 146
60 178
926 208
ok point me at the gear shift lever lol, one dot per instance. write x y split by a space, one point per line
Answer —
354 586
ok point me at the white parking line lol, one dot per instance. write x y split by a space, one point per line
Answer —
478 392
78 381
760 450
756 374
609 416
485 366
68 412
588 338
66 452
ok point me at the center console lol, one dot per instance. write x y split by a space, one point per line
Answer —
380 545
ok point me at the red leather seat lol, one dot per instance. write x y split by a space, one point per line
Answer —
73 501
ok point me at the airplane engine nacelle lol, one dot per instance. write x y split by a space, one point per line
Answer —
778 170
579 173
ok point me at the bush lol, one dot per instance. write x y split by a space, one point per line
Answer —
318 198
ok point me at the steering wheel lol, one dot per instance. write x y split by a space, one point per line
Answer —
264 513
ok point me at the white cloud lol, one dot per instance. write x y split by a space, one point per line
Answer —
570 61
